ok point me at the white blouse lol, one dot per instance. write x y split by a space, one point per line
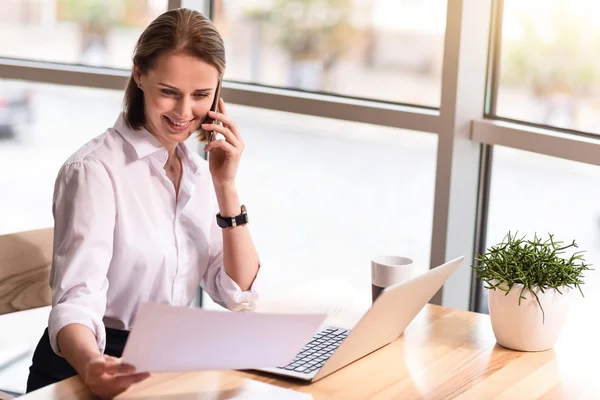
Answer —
121 237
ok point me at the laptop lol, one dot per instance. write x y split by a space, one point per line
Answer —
332 348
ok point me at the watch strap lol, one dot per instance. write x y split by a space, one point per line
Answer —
230 222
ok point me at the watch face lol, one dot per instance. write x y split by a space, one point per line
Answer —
222 223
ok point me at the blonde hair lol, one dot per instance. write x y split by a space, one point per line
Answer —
175 31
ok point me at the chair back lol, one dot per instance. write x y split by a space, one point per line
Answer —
25 259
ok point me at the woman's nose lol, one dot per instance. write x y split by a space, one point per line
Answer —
184 108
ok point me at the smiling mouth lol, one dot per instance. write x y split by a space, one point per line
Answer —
178 125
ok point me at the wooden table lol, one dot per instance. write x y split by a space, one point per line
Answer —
443 354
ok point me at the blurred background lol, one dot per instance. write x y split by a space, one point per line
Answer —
386 50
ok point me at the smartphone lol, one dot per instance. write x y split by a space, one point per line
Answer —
215 107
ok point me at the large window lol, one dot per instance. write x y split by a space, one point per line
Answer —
320 191
383 49
533 193
550 63
40 127
90 32
326 196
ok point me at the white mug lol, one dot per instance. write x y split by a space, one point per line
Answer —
387 271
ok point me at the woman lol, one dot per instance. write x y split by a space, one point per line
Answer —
134 211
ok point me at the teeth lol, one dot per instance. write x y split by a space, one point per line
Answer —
179 123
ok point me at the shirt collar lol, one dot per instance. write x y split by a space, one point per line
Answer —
146 144
143 142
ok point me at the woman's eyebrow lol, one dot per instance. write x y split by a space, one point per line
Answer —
169 86
174 88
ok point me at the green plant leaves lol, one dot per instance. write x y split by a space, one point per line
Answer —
536 264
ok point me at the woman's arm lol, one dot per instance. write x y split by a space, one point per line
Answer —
106 376
78 345
239 255
84 212
240 259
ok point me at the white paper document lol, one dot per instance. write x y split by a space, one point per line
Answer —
165 338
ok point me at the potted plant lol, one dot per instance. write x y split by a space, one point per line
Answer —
529 286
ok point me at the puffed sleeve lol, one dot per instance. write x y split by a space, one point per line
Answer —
84 215
219 286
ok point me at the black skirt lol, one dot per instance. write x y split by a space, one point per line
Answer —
48 368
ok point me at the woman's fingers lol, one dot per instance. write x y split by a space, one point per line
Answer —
229 136
118 368
124 381
106 364
108 376
222 106
224 118
223 145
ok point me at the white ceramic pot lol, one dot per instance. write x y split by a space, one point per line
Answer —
521 327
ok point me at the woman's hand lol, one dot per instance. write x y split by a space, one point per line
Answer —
224 154
107 376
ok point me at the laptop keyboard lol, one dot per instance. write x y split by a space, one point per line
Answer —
314 354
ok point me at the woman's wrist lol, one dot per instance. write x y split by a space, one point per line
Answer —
224 186
78 345
228 199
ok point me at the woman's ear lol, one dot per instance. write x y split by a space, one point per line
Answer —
137 76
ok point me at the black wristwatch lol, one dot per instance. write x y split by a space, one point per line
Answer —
228 222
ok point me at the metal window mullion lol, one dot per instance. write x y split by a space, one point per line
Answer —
173 4
477 302
372 112
483 205
210 8
466 48
547 142
495 43
63 74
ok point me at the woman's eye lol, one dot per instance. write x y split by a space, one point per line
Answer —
200 95
168 92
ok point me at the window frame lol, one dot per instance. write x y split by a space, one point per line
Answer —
466 126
